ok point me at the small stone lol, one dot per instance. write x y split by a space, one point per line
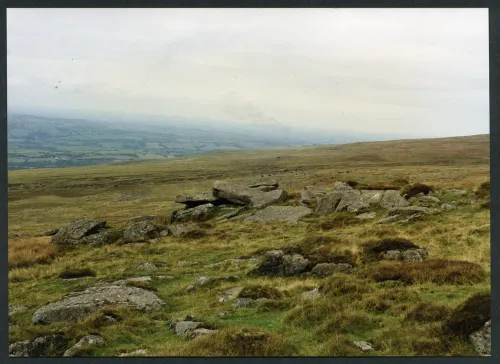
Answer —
191 288
243 302
363 345
223 314
366 215
147 266
311 295
447 206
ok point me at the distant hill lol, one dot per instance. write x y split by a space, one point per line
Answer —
48 142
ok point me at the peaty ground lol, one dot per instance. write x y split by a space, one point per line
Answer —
351 307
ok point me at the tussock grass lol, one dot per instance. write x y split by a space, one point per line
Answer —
470 316
29 251
438 271
76 273
398 321
238 342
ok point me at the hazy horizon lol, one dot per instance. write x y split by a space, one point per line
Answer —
358 70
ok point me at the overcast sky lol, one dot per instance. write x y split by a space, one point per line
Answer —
370 70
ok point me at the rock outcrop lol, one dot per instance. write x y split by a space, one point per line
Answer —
78 305
76 230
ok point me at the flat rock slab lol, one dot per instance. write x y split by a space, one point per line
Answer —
262 199
78 305
409 255
232 192
280 213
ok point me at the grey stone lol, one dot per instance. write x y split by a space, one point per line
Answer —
139 352
280 213
481 339
272 264
199 213
243 302
147 266
102 238
392 199
409 255
328 203
326 269
76 230
78 305
196 199
391 219
265 186
363 345
191 288
311 295
185 328
141 231
263 199
366 216
231 192
89 340
456 192
447 206
310 195
201 332
294 264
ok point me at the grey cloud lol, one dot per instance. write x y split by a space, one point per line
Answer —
365 69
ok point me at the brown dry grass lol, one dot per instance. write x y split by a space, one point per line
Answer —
28 251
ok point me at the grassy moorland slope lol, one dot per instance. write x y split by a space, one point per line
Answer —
352 307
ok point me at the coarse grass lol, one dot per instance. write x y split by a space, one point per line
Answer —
398 319
29 251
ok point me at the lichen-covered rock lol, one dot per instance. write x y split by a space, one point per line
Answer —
141 231
272 264
447 206
481 339
198 213
78 305
261 199
363 345
102 238
89 340
294 264
409 255
76 230
264 186
280 213
326 269
366 216
52 344
185 328
328 203
311 295
200 333
196 199
310 195
147 266
392 199
231 192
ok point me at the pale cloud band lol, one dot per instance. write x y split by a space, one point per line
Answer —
383 70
